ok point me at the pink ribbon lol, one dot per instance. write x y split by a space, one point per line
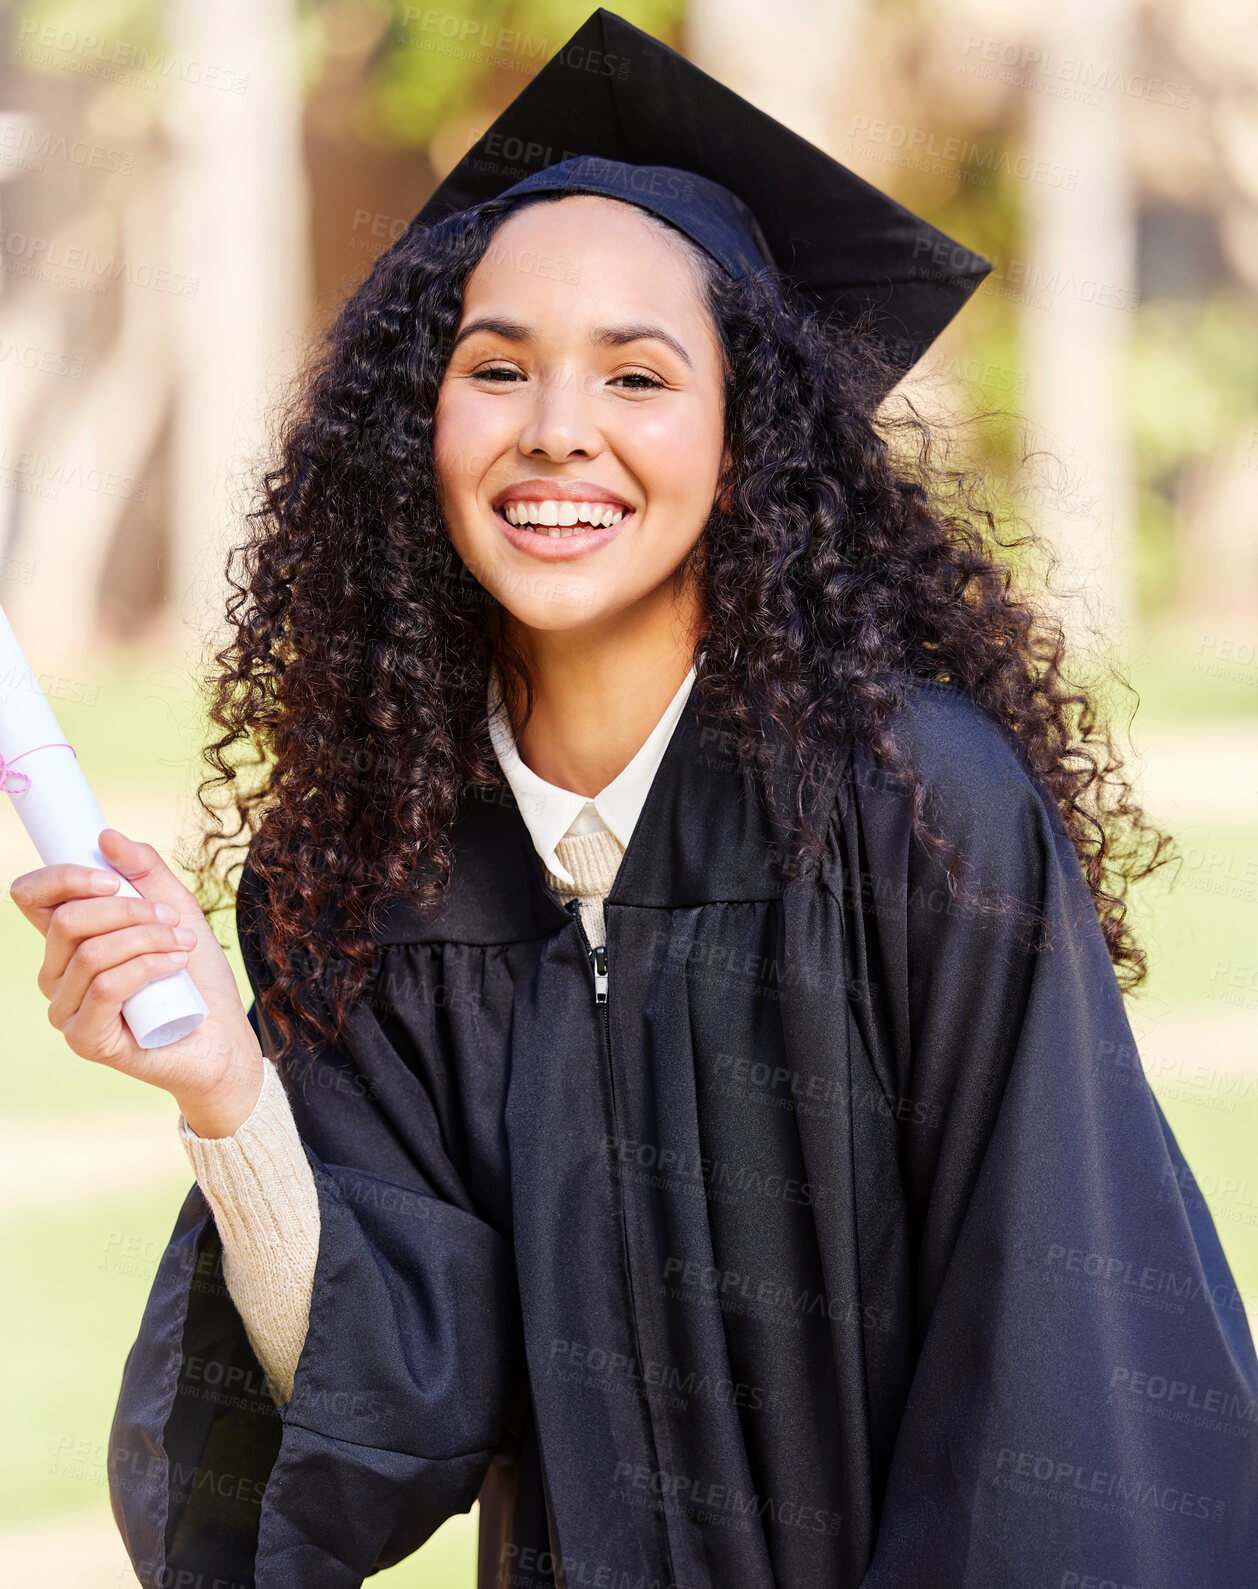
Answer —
6 774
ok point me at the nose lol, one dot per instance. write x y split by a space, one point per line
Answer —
559 421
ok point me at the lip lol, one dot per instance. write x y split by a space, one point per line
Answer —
537 490
559 548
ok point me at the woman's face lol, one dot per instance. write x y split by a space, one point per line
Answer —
585 381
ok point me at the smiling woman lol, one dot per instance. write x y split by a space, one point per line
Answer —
689 1104
542 402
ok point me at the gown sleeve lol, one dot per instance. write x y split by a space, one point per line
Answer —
1082 1408
406 1382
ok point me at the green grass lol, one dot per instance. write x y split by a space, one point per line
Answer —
1219 1147
1189 672
81 1306
1197 920
131 698
84 1280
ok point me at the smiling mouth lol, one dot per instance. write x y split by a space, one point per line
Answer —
563 531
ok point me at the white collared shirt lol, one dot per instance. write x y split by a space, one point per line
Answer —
551 813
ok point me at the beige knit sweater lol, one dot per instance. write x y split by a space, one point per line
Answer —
259 1184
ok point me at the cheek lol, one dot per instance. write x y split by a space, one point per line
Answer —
462 446
445 429
678 457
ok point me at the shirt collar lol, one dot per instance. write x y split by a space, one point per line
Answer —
549 811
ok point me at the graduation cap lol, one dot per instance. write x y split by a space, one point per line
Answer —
616 112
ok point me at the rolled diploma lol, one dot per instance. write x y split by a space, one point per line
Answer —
59 811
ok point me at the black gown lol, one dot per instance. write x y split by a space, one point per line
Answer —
844 1244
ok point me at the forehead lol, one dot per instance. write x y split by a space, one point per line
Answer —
581 249
571 210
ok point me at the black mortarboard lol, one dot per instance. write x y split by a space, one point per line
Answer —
616 112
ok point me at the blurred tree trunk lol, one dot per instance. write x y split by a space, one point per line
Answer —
1080 266
95 444
791 62
239 214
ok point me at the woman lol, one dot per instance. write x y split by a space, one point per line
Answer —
709 1129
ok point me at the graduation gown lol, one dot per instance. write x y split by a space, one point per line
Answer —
843 1245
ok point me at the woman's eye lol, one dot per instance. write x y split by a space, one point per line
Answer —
493 371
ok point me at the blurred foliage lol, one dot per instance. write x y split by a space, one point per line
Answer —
429 65
986 371
129 24
1193 386
415 72
1194 377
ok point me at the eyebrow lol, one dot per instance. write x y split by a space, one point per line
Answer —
600 336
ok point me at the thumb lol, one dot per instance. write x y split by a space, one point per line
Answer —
143 868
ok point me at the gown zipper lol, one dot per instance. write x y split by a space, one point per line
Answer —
600 993
598 962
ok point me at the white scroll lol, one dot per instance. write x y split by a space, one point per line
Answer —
43 778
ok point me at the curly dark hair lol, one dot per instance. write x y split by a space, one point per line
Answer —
847 556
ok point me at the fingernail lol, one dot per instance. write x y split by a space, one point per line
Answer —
103 882
166 913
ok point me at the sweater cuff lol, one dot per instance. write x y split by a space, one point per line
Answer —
260 1169
260 1186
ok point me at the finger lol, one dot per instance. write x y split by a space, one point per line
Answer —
74 954
71 923
37 894
95 1028
144 869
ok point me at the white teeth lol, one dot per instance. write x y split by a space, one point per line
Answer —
558 518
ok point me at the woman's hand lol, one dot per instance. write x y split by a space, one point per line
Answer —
101 948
